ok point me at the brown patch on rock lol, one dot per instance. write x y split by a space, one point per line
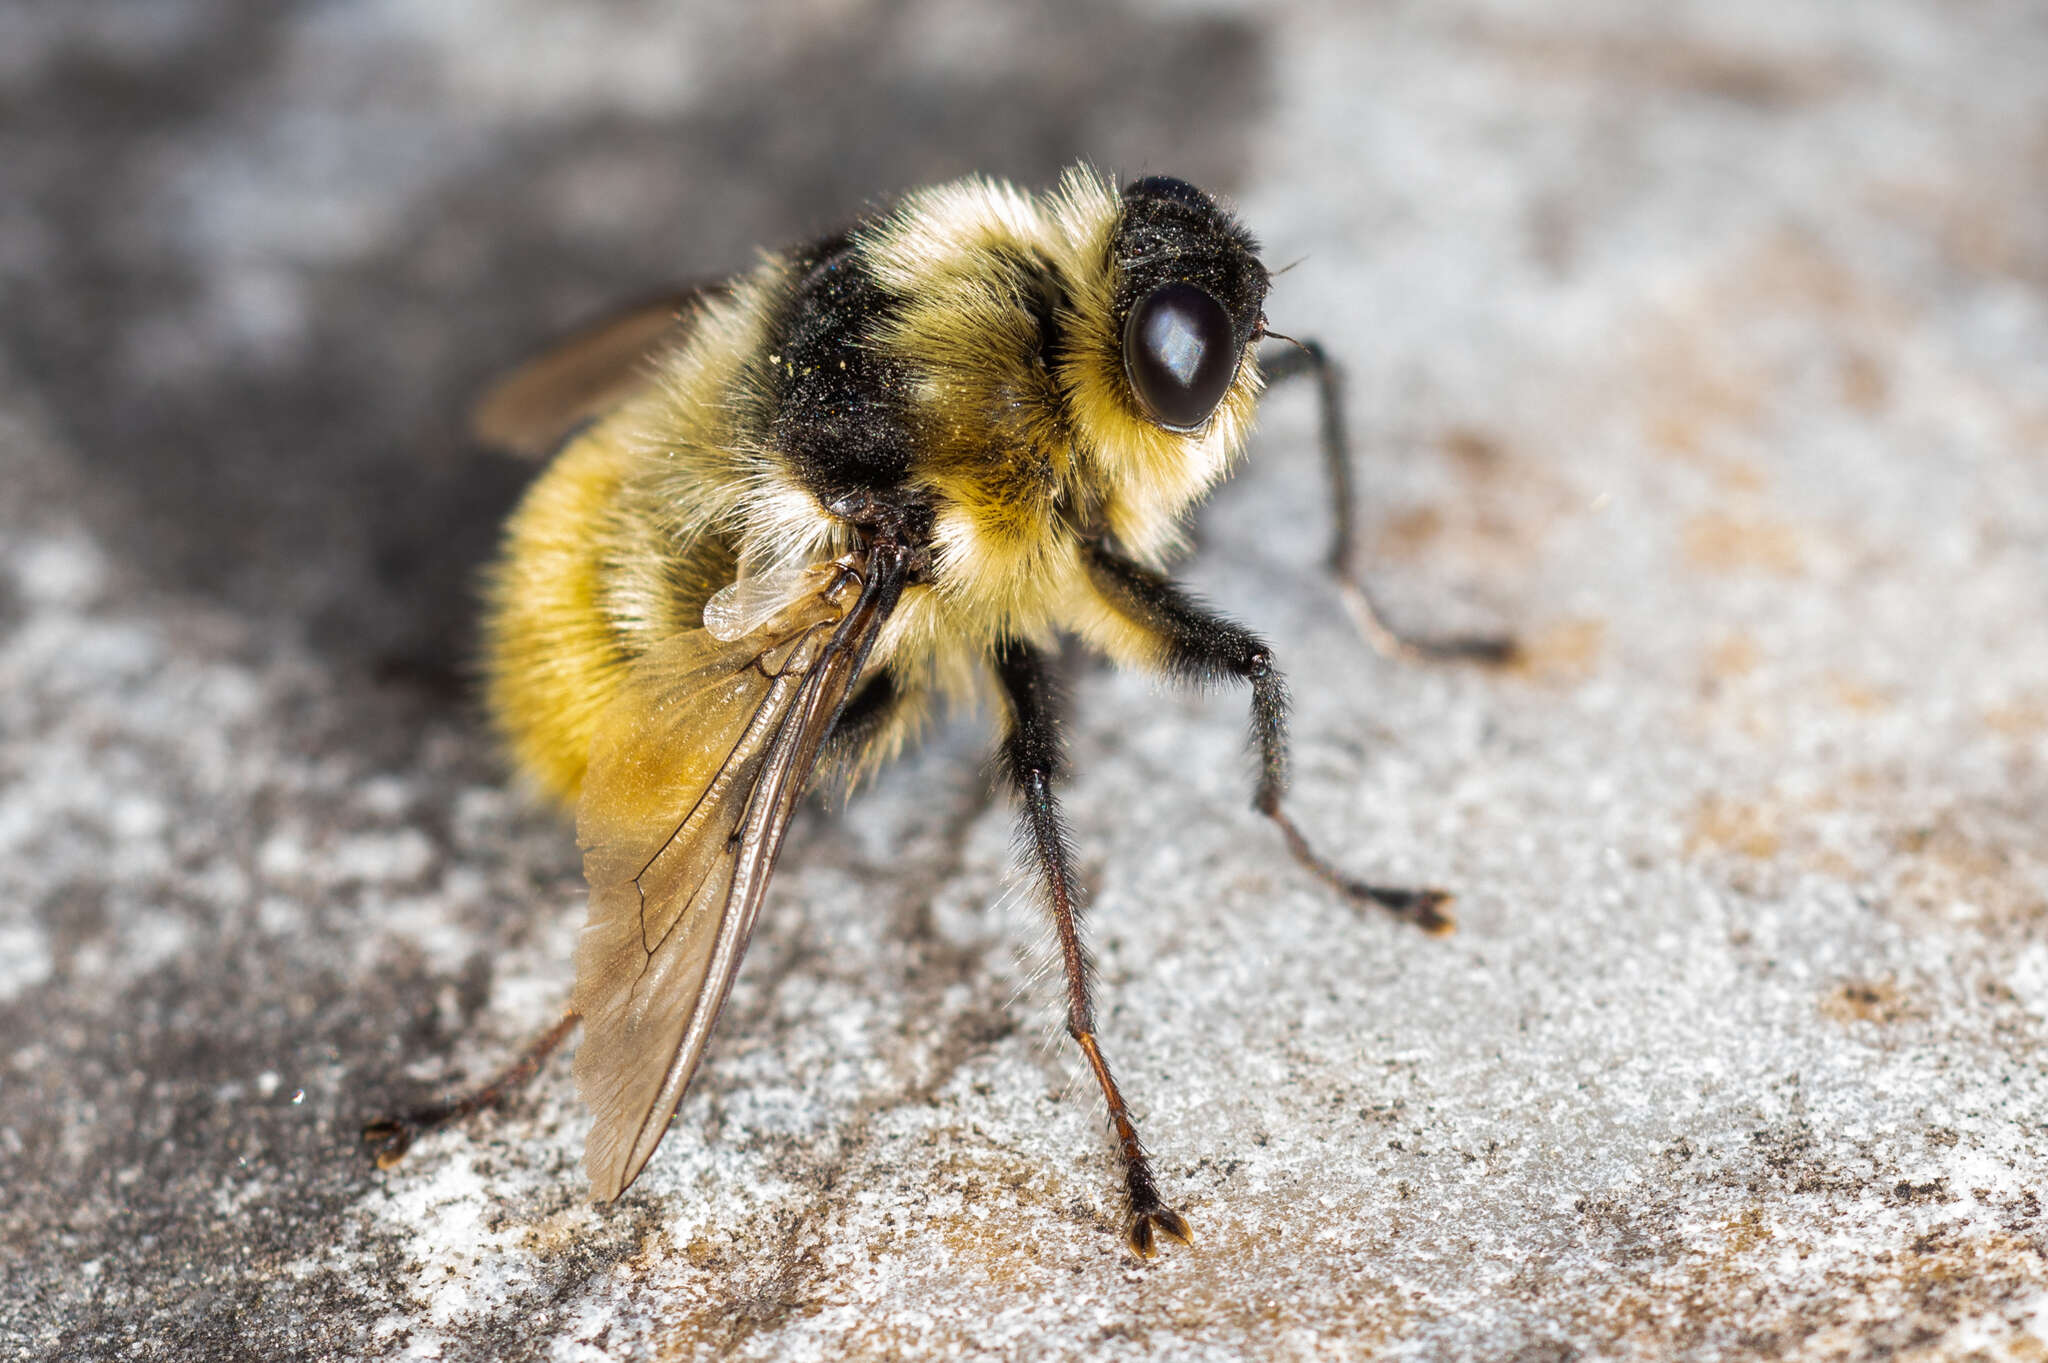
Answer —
1562 651
1410 533
1874 1001
2024 717
1722 825
1479 454
1864 384
1723 543
1733 656
1851 694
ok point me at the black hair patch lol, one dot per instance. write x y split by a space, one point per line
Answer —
841 406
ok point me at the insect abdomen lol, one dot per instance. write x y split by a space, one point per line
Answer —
551 658
586 582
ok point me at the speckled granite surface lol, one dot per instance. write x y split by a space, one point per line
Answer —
1705 345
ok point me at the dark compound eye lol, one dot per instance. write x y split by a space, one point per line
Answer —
1179 354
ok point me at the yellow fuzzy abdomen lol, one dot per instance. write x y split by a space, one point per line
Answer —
552 659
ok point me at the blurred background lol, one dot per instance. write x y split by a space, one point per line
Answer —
1704 345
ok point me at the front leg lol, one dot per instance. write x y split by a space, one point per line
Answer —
1032 759
1198 645
1308 357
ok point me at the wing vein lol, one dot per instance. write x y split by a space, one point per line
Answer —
730 732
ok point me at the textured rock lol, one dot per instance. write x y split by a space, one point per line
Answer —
1706 346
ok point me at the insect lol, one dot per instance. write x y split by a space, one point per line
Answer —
789 513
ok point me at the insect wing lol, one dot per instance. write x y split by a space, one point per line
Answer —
743 606
694 774
530 411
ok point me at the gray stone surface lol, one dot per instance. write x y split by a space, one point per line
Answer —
1705 345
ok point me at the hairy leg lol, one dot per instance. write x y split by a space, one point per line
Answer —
1032 759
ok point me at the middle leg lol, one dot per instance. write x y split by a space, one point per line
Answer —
1032 759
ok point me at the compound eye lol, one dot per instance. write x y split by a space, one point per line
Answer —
1180 355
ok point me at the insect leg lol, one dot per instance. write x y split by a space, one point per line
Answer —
1203 647
880 703
388 1138
1033 758
1309 357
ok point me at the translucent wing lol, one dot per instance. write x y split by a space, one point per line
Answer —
693 777
532 410
745 605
